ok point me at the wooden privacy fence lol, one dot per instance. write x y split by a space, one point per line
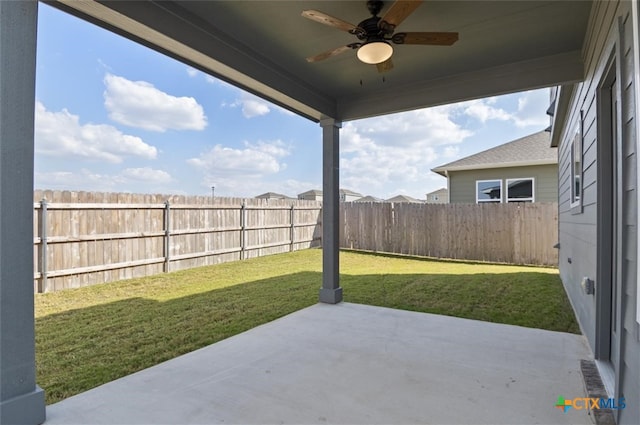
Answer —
517 233
83 238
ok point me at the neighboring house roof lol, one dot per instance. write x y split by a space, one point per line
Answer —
403 198
441 191
369 198
348 192
311 192
273 195
529 150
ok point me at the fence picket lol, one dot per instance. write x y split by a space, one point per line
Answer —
92 238
86 238
519 233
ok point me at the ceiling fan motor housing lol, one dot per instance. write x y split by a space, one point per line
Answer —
371 29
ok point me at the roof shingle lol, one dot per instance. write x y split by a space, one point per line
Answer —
529 150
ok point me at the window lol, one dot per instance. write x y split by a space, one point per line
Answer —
488 191
520 190
576 165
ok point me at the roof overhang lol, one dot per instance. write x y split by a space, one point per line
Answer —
260 46
445 171
563 101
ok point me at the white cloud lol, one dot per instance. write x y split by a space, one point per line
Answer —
383 154
242 171
254 108
275 148
125 181
192 72
530 110
292 187
450 151
431 127
254 160
60 134
250 186
147 174
251 105
483 111
82 180
396 149
139 104
532 107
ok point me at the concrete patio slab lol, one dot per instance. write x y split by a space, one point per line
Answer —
352 364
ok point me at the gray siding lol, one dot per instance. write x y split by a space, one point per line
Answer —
578 230
462 184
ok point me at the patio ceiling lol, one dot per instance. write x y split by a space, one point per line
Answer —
261 46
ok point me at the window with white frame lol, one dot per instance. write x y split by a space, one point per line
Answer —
576 164
520 190
488 191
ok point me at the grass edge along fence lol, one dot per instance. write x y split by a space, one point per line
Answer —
86 238
514 233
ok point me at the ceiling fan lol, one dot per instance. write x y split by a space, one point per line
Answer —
376 33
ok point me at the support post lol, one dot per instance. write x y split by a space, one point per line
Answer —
21 400
331 292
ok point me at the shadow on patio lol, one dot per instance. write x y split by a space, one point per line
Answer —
352 363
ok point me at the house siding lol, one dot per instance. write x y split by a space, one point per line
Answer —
462 184
609 33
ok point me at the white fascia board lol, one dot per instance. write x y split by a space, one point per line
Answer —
563 101
498 165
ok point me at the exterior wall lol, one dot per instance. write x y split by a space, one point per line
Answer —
348 197
462 184
309 197
438 197
609 35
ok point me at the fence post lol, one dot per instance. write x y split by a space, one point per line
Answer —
243 225
43 246
293 232
167 236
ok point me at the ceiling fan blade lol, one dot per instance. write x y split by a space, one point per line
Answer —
428 38
385 66
325 19
330 53
398 12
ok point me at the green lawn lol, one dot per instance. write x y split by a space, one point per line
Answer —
89 336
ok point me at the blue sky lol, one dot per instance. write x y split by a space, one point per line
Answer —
115 116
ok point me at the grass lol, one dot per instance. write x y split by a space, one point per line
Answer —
90 336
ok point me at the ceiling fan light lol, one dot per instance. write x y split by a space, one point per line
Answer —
375 52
